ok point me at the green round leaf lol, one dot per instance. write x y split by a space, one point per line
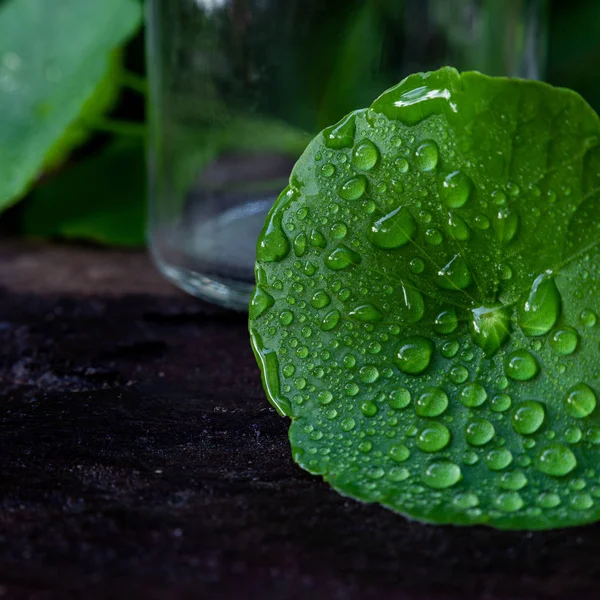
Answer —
438 349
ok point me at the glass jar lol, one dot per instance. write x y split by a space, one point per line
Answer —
239 87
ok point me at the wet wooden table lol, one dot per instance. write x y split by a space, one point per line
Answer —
139 459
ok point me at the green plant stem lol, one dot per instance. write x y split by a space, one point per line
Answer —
127 128
135 82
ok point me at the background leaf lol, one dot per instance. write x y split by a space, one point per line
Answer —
54 57
101 199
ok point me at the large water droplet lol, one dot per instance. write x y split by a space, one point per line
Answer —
542 307
581 401
426 156
479 432
455 275
431 403
353 188
521 365
456 189
528 417
489 327
414 354
441 474
341 135
395 229
472 395
433 437
260 302
556 460
365 155
342 258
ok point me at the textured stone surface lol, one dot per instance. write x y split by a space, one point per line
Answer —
139 459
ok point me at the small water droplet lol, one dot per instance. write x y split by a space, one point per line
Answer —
330 320
431 403
399 398
479 432
341 135
446 322
588 318
521 365
509 501
506 225
489 327
414 355
441 474
472 395
465 500
433 237
556 460
342 258
433 437
498 459
500 403
395 229
528 417
564 341
353 188
368 408
327 170
540 311
365 155
417 265
366 313
426 156
548 500
573 435
458 374
457 228
339 231
515 481
456 189
320 300
455 275
324 397
449 349
368 374
399 453
581 401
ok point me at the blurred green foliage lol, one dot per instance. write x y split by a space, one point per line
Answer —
71 136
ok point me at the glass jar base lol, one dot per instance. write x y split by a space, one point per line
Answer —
227 293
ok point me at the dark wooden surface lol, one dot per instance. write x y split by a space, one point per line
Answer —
139 459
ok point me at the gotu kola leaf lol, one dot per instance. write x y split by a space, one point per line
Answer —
55 58
426 301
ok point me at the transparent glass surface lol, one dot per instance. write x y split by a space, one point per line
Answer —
239 87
